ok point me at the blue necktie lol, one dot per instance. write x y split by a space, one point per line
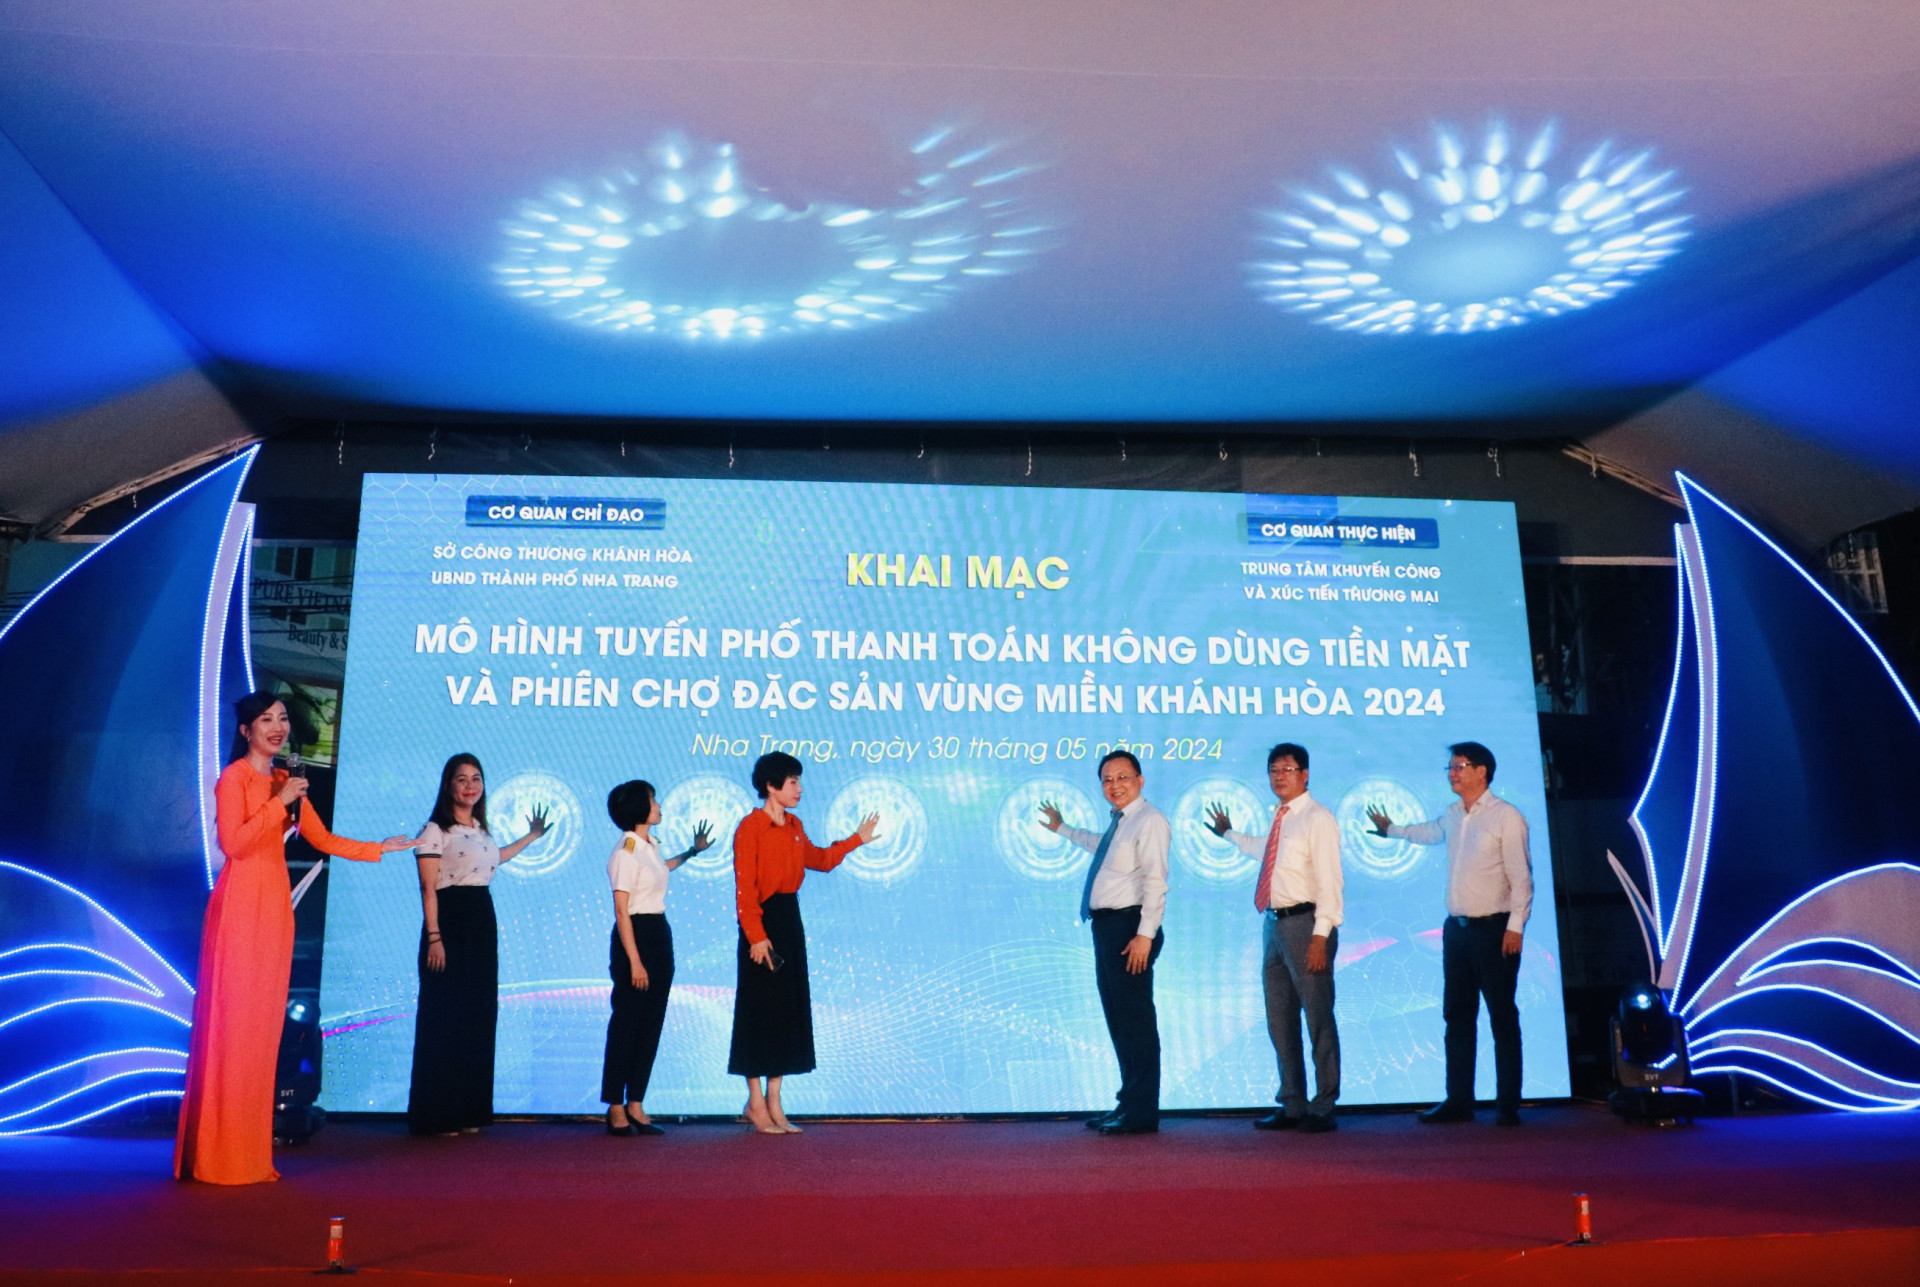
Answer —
1093 868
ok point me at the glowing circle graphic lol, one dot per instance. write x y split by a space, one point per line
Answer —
1363 849
1205 854
508 806
1030 848
902 838
682 242
721 802
1478 235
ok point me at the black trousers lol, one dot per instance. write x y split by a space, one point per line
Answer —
1127 1001
633 1031
453 1032
1473 966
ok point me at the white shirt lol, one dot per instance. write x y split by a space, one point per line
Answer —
1488 867
1134 873
467 855
1307 868
637 870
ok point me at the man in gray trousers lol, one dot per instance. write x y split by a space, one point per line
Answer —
1298 895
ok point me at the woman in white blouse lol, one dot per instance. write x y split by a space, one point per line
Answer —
640 956
459 957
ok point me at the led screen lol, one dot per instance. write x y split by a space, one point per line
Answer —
949 657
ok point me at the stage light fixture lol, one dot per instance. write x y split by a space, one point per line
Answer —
296 1080
1650 1060
683 242
1474 235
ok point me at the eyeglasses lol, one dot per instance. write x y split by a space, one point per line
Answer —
1285 768
1118 778
1461 767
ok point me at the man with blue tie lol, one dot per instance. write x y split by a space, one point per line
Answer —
1298 894
1125 897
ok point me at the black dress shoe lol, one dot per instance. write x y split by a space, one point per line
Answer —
644 1128
1316 1124
1095 1123
625 1128
1507 1117
1121 1126
1447 1111
1277 1120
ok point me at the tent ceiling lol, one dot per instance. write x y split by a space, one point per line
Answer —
1032 211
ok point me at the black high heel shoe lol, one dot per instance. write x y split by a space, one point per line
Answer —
624 1128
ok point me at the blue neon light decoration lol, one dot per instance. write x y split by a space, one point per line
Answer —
114 682
1779 884
1474 235
683 242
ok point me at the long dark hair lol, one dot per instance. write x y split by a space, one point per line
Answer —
245 711
442 815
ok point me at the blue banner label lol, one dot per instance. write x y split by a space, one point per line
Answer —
635 513
1334 531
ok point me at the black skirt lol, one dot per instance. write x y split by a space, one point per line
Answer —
453 1032
633 1030
772 1009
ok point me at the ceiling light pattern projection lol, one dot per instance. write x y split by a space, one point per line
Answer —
684 243
1477 235
1784 926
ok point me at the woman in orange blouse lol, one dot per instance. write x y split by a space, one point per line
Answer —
772 1007
246 955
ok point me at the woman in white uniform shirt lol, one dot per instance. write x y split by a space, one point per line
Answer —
459 960
640 956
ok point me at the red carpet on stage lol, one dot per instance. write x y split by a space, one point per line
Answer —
1816 1197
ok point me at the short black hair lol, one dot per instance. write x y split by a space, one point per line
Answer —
775 768
1111 756
1475 754
1289 751
630 804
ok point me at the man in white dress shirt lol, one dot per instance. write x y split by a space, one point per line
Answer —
1298 895
1125 897
1489 897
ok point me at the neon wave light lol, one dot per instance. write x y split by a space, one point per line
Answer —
1661 925
220 591
71 956
1772 1000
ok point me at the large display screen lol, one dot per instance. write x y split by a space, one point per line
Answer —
949 657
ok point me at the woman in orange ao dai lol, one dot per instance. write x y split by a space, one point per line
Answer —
246 955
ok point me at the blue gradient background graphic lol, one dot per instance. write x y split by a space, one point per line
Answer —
949 973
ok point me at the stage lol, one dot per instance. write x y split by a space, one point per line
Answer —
1209 1200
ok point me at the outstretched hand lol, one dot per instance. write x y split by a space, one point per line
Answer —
1380 820
1217 820
702 835
394 844
868 828
537 823
1050 815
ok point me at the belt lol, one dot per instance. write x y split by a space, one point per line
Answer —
1295 909
1464 921
1113 911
